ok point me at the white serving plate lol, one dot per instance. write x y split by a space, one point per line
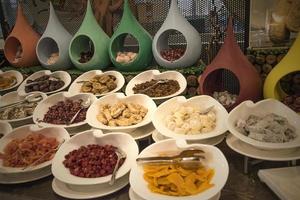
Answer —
156 136
112 99
134 196
14 97
272 155
203 102
44 106
5 128
285 182
75 87
87 192
156 74
14 73
25 177
214 159
59 133
261 108
140 133
64 76
120 140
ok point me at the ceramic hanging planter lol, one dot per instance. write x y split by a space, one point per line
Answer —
129 25
175 23
231 60
19 47
289 64
92 41
53 47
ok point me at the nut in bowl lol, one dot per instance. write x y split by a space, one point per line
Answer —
183 180
10 79
17 109
97 82
117 112
63 110
30 148
45 81
267 124
197 118
98 150
159 86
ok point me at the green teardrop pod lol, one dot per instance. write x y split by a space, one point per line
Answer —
90 37
129 25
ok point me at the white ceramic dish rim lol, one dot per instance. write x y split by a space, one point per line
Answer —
62 134
251 108
260 153
62 189
74 180
120 81
91 114
57 97
6 126
181 100
18 76
156 74
44 96
67 80
136 171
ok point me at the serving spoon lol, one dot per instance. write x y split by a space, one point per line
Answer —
120 154
155 84
31 98
189 158
84 105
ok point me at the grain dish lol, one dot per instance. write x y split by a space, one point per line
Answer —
33 149
269 128
18 112
188 120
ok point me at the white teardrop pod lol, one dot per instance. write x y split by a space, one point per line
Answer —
176 23
55 40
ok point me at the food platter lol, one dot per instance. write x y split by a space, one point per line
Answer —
272 155
65 190
12 73
156 136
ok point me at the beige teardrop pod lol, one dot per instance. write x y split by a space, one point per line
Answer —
231 61
19 47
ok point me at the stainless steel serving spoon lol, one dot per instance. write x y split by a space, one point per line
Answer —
155 84
190 159
31 98
120 154
84 105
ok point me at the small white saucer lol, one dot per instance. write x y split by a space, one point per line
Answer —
156 136
271 155
25 177
67 191
134 196
139 133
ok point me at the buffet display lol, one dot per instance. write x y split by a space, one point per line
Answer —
85 131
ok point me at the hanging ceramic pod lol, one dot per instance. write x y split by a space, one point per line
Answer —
90 42
176 23
129 25
231 61
289 64
53 47
19 47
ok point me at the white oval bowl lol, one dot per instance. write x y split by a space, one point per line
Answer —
121 140
59 133
214 159
112 99
5 128
14 73
64 76
53 99
261 108
156 74
13 97
203 102
75 87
